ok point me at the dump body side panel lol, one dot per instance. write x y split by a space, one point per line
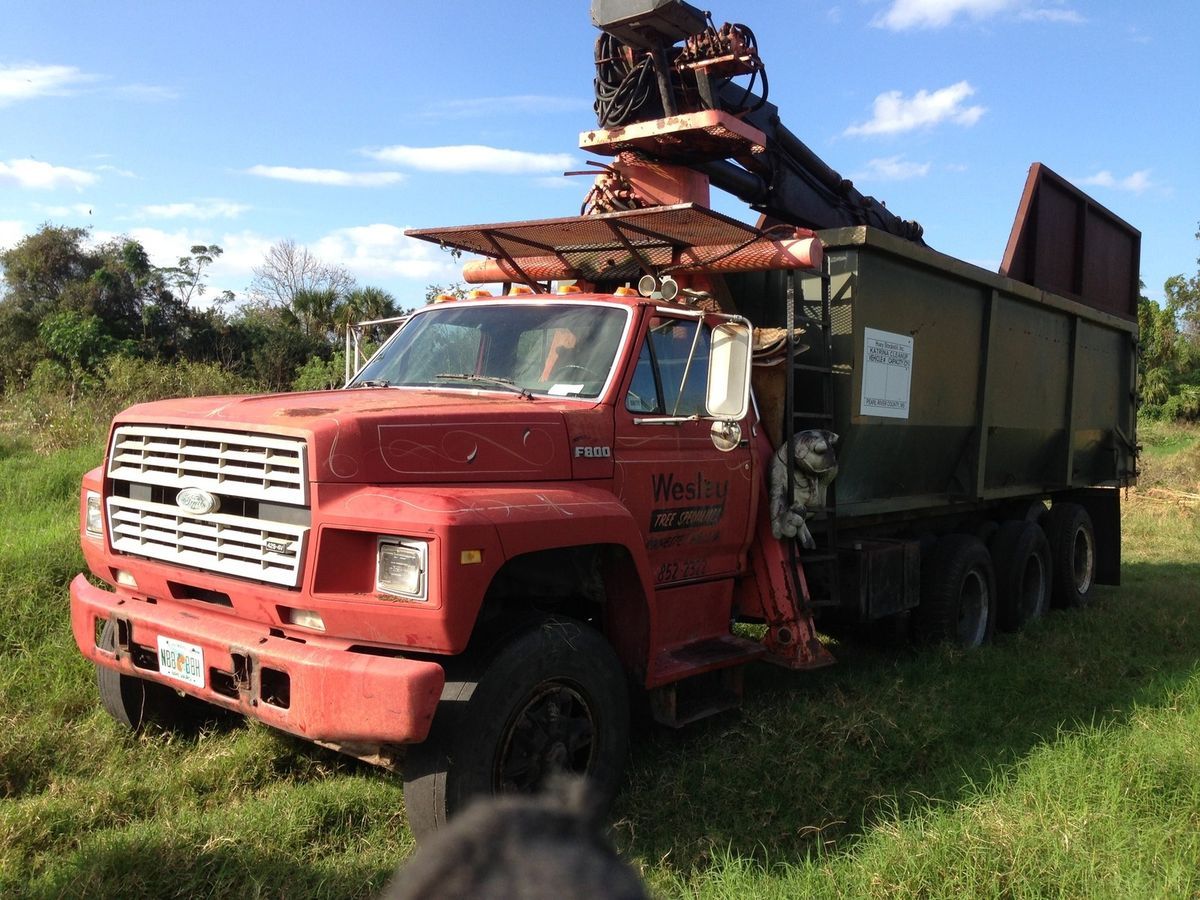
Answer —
1010 391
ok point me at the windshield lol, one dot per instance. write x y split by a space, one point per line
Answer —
557 349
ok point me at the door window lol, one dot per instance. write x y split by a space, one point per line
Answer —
671 375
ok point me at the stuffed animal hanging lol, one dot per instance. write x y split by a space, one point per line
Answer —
815 463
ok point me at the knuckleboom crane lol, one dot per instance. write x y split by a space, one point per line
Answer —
668 90
677 110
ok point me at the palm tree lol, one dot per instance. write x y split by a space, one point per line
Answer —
364 305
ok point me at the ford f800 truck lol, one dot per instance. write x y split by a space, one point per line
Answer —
528 511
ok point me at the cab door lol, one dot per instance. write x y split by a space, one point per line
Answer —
691 499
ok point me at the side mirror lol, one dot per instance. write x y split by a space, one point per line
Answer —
729 360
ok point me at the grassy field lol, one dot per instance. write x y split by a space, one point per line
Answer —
1062 761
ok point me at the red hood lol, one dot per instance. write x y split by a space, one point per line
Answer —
389 435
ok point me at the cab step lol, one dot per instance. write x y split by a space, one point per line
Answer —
704 655
698 697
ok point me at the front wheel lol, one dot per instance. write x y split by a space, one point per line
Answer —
552 699
135 702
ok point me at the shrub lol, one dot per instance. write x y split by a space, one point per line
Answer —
56 418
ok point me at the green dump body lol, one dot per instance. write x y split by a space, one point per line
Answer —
1011 391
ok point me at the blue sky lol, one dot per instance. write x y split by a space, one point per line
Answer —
245 123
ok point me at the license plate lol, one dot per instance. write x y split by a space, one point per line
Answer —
183 662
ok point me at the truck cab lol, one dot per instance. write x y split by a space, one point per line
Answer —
578 469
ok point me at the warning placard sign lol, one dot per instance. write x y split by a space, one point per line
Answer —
886 373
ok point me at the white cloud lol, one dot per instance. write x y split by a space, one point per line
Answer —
26 81
904 14
34 174
381 251
206 209
521 104
124 173
473 158
333 177
894 113
1135 183
11 232
892 168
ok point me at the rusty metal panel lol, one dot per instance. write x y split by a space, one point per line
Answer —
1065 242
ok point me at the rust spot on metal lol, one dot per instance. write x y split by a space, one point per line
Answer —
305 412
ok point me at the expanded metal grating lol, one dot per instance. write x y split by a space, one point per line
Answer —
604 246
257 467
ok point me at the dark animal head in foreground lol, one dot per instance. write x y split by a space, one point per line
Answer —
539 847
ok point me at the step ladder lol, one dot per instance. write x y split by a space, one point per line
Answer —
812 411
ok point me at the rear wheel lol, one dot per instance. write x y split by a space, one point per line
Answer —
135 702
552 699
1021 555
1072 554
958 593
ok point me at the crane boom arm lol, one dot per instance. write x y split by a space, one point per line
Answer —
661 61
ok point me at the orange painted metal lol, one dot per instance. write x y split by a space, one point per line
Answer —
691 137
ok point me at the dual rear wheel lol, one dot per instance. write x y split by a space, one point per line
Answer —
968 589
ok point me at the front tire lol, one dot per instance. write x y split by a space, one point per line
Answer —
135 702
552 699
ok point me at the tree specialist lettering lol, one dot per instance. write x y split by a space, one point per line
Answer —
668 489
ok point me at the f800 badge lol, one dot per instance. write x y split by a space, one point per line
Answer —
593 452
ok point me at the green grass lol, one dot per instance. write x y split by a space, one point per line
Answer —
1061 761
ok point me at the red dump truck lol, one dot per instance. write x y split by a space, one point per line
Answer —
527 512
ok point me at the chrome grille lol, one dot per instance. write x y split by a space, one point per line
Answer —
255 466
230 545
262 478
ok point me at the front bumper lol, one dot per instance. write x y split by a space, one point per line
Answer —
310 689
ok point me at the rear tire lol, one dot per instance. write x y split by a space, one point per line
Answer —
135 702
1021 556
553 699
958 593
1072 554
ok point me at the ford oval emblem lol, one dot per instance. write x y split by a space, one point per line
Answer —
197 501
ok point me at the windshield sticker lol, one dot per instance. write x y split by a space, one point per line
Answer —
886 373
564 390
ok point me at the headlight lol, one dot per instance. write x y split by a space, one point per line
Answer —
93 522
400 568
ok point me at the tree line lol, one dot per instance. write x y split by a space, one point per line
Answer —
70 307
74 313
1169 350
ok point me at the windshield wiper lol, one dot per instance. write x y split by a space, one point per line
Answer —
374 383
494 380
